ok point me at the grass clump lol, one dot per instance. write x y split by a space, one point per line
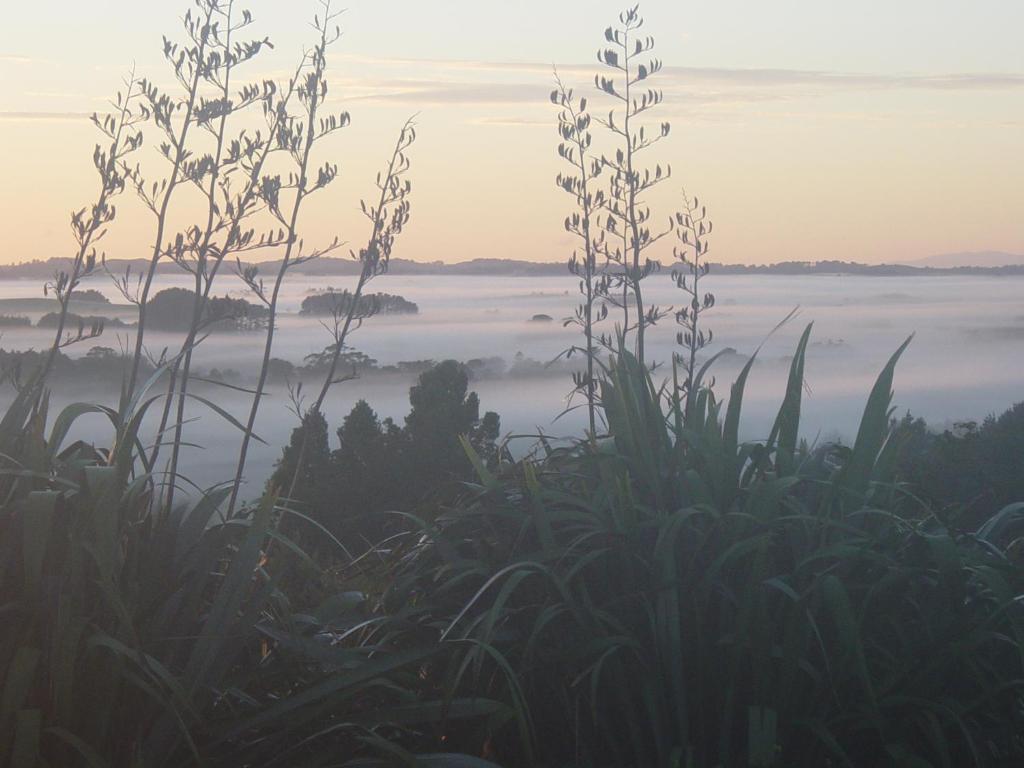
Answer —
673 596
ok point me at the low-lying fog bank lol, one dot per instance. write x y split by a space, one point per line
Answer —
964 363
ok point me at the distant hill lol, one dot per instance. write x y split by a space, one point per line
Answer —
43 270
988 263
970 259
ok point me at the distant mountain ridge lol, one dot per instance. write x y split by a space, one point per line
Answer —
948 264
970 259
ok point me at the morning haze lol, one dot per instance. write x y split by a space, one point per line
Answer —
512 385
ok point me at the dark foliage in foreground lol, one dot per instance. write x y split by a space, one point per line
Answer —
674 597
138 635
380 467
968 472
666 596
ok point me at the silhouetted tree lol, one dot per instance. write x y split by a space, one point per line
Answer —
338 303
296 133
309 446
315 472
442 410
485 437
364 473
171 310
89 294
360 437
380 467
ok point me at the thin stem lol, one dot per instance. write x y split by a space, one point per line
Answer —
375 251
175 178
201 259
108 187
314 85
369 266
586 203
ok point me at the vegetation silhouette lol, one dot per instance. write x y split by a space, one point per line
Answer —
656 592
337 303
380 468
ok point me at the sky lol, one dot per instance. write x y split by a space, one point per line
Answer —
867 131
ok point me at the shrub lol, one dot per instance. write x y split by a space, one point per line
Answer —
89 294
339 302
380 467
171 310
52 319
968 472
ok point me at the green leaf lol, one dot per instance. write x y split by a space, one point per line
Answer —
37 524
786 429
486 476
874 427
227 417
218 627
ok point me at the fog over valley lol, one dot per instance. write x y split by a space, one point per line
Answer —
962 365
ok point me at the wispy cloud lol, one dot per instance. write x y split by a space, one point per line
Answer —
511 121
44 116
445 92
722 76
439 90
709 91
794 77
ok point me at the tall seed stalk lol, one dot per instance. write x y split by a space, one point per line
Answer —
89 226
296 135
575 149
628 215
175 117
693 229
387 219
204 249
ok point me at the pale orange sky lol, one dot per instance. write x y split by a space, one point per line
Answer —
858 131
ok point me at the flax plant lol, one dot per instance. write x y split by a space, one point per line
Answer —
205 247
297 135
90 225
575 148
693 230
628 219
387 218
684 598
175 117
